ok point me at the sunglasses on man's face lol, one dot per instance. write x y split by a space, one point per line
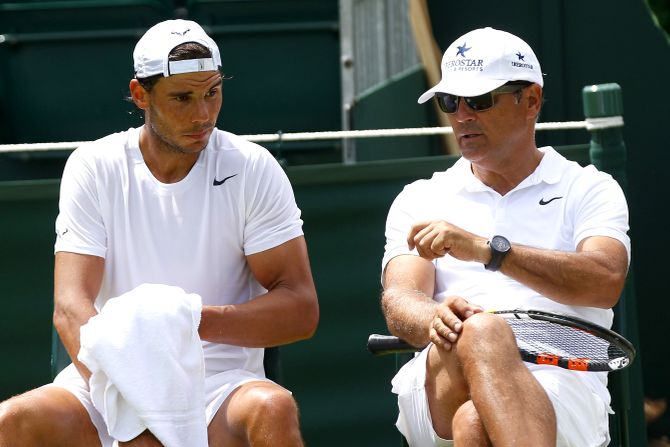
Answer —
449 103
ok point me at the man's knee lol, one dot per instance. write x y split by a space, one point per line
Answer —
45 413
467 426
18 421
275 403
16 415
485 333
257 413
257 404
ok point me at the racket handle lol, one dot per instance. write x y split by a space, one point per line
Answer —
388 344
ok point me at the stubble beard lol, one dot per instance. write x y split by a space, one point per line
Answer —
167 145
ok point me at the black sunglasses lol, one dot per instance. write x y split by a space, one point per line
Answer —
449 103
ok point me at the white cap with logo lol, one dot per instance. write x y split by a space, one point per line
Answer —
483 60
152 50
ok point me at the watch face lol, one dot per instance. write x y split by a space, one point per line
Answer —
499 243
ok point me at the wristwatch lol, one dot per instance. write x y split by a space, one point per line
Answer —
500 246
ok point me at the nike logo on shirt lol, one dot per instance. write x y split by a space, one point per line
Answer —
543 202
222 181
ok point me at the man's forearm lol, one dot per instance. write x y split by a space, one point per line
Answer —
68 322
408 314
77 280
585 278
276 318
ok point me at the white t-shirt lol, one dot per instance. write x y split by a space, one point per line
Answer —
194 234
556 207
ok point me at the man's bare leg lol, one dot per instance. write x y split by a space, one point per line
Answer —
446 389
257 414
468 427
511 404
46 416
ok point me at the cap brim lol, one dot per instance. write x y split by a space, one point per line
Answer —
462 88
428 94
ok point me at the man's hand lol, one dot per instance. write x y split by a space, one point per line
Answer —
145 439
436 238
448 321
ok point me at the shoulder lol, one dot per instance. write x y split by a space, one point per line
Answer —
106 151
227 143
561 169
585 187
232 150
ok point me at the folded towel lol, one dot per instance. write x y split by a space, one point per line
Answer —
147 365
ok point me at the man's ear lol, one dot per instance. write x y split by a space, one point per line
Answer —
139 95
534 100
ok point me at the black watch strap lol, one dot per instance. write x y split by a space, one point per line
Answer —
500 247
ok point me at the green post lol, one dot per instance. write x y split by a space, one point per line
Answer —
608 154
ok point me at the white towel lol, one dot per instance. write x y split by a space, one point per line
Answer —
147 365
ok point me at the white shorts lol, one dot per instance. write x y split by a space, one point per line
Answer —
217 389
582 416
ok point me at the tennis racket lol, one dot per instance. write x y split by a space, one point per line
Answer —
547 339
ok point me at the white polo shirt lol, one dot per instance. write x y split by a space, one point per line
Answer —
556 207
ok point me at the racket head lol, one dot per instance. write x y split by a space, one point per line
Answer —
566 341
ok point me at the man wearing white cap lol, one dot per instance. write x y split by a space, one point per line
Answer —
177 202
508 226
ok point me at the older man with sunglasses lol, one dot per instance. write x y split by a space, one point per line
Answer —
509 226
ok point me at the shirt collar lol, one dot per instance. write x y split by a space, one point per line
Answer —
548 171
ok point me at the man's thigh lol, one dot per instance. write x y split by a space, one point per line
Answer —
47 416
253 404
582 417
421 381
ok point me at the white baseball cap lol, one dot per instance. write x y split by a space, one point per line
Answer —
152 50
483 60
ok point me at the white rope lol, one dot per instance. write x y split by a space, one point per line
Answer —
589 124
604 123
41 147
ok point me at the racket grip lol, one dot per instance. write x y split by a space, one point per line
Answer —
388 344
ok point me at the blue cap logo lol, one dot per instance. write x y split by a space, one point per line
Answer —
462 49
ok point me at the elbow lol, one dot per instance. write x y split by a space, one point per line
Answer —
309 320
609 290
610 271
59 317
311 323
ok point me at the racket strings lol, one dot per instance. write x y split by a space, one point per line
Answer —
544 337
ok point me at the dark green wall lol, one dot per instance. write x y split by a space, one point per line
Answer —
27 214
65 68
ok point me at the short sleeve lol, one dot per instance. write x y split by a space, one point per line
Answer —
272 216
79 225
398 223
603 211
